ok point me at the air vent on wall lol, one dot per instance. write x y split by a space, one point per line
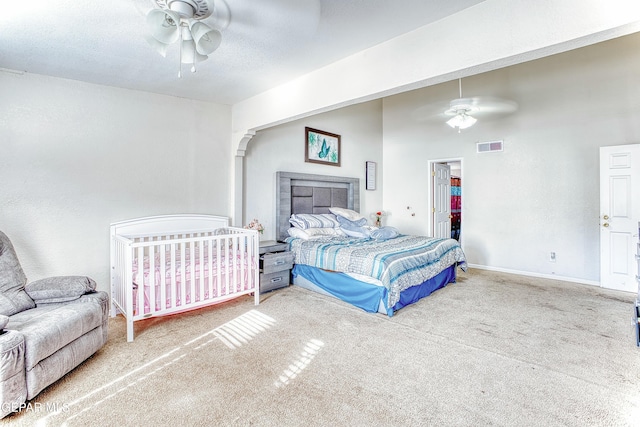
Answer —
489 146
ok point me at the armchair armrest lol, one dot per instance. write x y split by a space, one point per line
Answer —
3 322
59 288
13 385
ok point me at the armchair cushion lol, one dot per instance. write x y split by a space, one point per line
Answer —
13 298
59 289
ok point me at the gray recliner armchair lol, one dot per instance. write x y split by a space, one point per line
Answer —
47 328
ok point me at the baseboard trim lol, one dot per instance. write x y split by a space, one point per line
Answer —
539 275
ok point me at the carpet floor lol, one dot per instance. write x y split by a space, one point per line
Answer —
492 349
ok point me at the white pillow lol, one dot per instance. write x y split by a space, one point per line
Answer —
349 214
310 233
298 233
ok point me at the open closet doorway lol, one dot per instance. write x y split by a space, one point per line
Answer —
446 198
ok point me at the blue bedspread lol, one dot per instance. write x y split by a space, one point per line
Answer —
397 263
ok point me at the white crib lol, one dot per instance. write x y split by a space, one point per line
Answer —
173 263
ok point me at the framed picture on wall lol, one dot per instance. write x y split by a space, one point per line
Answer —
370 170
321 147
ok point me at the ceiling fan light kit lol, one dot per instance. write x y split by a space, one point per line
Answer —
461 121
181 20
460 109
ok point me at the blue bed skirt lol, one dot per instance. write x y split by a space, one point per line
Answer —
368 296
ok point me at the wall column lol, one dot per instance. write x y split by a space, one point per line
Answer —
238 204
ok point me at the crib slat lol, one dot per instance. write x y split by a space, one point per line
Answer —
210 268
201 294
152 279
163 278
227 276
243 265
236 243
140 281
183 275
172 271
219 256
191 290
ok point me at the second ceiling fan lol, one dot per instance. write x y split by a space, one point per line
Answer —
463 111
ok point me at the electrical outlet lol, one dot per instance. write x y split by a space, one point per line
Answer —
552 257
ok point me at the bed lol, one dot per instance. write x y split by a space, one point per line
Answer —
375 274
169 264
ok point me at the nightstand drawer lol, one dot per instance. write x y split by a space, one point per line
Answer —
270 263
273 281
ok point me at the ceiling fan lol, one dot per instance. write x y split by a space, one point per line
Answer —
182 20
462 112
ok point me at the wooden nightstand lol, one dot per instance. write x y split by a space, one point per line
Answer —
276 263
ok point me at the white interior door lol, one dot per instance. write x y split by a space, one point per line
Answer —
441 200
619 215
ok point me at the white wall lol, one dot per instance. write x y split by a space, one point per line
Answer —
487 36
75 157
281 148
541 193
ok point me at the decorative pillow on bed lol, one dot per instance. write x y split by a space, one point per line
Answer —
355 228
349 214
362 233
59 289
306 221
310 233
384 233
344 222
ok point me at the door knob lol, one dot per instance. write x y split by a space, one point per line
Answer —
606 224
605 217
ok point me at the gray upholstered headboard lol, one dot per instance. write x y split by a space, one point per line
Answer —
306 193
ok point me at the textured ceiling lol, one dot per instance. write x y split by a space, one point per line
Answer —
266 43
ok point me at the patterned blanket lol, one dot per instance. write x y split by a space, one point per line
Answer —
398 263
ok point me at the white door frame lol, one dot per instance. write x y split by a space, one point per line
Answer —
431 195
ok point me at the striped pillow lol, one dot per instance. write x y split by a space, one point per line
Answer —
305 221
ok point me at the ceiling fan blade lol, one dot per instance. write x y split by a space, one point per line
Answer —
481 106
489 105
144 6
433 111
221 16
